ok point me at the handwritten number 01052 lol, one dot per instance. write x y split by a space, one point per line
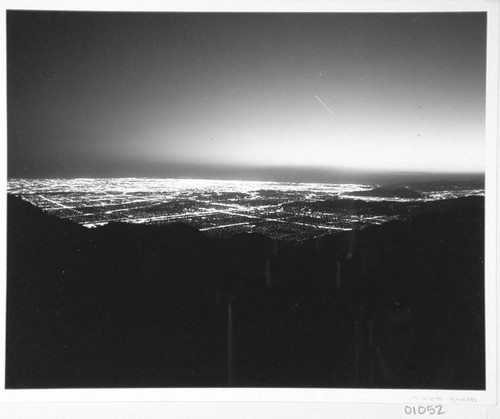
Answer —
422 410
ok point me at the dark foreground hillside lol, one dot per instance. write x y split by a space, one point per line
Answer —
393 306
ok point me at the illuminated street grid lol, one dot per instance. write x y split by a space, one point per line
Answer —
220 208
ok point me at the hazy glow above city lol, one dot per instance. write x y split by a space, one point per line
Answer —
161 94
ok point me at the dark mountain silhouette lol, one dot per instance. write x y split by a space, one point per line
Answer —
400 305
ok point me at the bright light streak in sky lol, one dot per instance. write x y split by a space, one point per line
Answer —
324 104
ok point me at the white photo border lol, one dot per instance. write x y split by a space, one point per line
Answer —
370 396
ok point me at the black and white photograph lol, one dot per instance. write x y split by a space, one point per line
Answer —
274 200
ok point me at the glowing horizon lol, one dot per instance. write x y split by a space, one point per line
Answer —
201 95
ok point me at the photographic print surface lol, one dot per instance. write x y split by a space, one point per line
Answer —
246 200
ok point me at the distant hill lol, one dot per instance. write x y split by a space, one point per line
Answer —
146 306
389 192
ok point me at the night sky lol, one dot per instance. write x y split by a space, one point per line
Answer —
301 97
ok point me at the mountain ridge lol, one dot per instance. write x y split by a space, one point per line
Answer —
135 305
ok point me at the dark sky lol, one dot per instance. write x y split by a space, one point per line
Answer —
252 96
